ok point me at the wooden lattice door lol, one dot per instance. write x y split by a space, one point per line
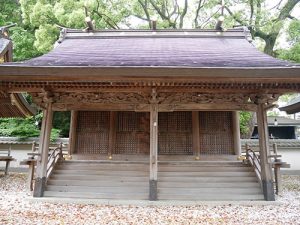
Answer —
216 133
175 133
132 133
92 133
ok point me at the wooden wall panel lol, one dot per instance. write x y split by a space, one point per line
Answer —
132 133
216 133
92 133
175 133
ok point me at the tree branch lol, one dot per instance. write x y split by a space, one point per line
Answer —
182 15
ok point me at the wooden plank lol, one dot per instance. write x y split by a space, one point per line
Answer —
196 134
266 167
72 133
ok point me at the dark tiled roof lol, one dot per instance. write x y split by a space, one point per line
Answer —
159 49
292 107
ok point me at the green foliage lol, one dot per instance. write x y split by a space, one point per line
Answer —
22 128
46 35
61 121
245 119
293 53
9 12
23 43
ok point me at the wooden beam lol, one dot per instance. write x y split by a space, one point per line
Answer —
112 133
236 132
41 170
207 107
266 167
196 134
153 151
72 133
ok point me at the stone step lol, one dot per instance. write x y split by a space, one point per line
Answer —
97 195
98 177
202 191
206 174
105 173
203 169
98 183
207 179
212 197
208 185
109 189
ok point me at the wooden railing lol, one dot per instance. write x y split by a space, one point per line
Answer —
254 159
54 156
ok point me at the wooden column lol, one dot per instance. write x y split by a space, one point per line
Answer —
196 134
112 133
266 167
236 133
153 151
41 170
72 133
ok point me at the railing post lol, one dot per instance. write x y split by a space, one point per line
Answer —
247 151
60 150
33 148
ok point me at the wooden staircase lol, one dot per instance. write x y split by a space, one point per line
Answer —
99 180
207 181
177 180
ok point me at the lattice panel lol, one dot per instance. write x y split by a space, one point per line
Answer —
92 132
133 133
175 133
216 133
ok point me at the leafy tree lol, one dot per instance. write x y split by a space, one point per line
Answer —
23 43
263 22
293 53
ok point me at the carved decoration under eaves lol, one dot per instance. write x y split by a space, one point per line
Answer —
264 98
189 98
155 97
104 98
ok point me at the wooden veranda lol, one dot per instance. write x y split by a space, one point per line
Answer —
153 93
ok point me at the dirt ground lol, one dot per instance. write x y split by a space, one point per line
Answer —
15 208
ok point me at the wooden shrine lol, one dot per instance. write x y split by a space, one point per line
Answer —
153 93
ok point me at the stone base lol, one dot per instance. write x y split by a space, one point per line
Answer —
152 190
268 189
39 187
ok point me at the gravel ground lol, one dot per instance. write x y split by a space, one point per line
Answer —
16 209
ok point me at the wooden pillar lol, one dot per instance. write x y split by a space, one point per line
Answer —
112 133
72 133
41 170
236 133
153 151
196 134
266 167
